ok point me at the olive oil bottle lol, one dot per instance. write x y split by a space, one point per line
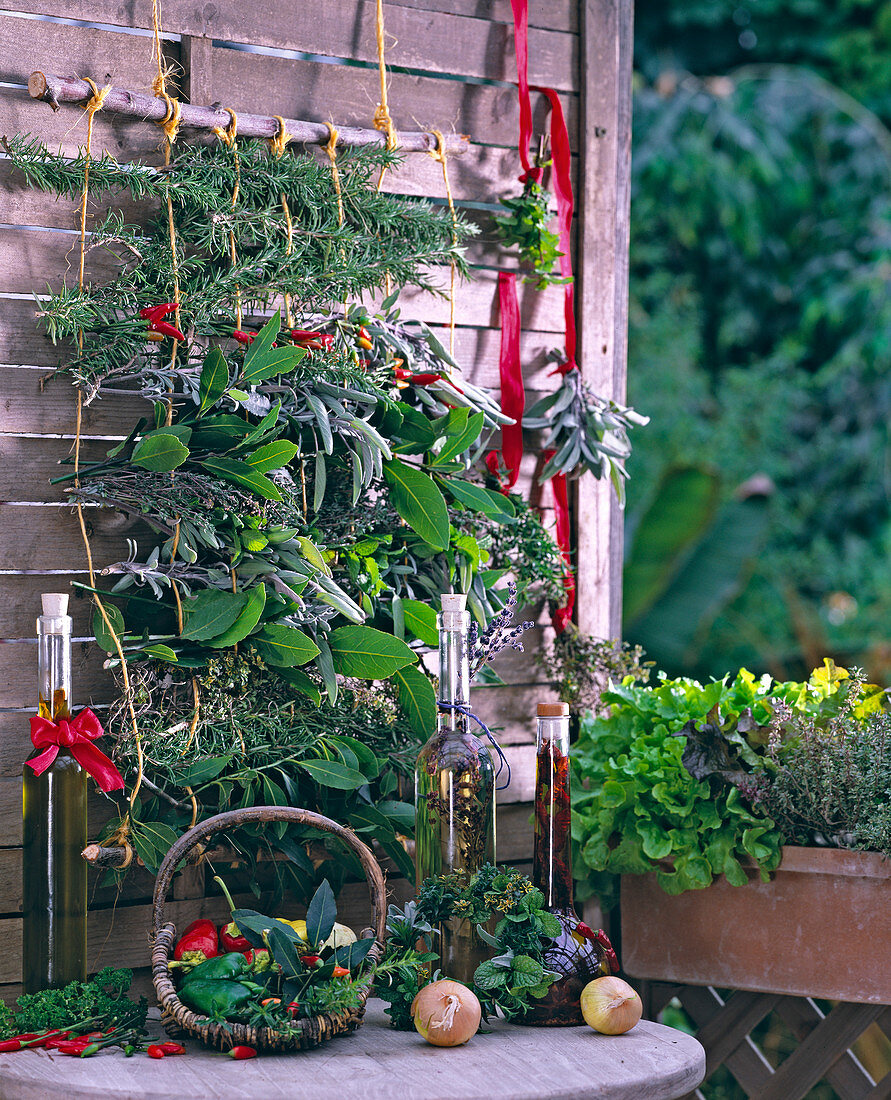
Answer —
455 791
54 874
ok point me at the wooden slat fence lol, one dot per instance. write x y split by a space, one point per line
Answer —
453 68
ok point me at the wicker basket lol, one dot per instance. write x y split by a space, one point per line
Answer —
179 1019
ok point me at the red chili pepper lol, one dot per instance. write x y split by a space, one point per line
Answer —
364 340
231 938
341 972
402 374
609 951
310 960
156 313
172 1048
73 1047
199 938
155 1051
241 1053
294 1010
166 330
243 337
8 1045
424 379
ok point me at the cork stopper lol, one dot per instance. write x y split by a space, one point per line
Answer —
454 601
55 604
553 710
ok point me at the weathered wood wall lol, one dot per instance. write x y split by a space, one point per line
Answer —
454 67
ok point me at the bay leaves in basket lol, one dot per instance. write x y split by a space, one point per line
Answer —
291 971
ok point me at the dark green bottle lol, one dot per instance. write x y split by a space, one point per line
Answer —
54 804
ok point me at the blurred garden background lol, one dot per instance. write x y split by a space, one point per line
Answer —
758 527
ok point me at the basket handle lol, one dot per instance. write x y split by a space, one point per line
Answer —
233 818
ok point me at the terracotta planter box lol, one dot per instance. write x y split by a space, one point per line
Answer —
820 928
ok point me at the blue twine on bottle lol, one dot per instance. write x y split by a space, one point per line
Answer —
462 708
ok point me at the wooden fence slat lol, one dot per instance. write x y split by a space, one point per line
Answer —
30 401
811 1059
729 1028
302 89
430 41
557 15
27 464
43 537
847 1076
602 289
747 1064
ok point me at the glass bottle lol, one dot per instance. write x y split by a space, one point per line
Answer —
455 791
54 874
578 954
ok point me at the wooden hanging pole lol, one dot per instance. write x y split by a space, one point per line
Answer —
57 90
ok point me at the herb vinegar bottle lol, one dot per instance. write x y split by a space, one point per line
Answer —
54 874
455 791
578 955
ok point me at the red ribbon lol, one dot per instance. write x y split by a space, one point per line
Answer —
76 736
521 47
561 180
563 539
513 393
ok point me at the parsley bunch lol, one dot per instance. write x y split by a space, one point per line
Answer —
103 1000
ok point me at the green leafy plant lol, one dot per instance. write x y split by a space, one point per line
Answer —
405 968
585 432
678 778
636 808
581 667
101 1001
311 491
828 780
525 225
515 974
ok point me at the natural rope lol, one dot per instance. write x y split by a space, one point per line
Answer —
331 150
439 154
94 105
278 144
382 119
228 136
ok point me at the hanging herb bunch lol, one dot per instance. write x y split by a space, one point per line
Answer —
307 474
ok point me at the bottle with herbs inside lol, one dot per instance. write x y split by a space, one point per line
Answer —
455 791
54 874
579 954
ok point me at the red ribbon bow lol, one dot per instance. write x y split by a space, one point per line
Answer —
76 735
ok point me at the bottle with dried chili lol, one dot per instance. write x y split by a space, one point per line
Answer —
579 954
455 790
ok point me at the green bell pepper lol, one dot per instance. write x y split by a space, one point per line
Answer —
216 997
231 966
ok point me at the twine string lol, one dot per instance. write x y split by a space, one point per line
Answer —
439 154
95 104
463 708
277 145
228 136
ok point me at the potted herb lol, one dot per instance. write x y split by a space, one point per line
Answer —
745 818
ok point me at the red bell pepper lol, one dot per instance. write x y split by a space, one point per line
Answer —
199 939
231 939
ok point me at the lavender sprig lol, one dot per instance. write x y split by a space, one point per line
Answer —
498 635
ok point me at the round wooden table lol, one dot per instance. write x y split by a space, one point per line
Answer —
651 1062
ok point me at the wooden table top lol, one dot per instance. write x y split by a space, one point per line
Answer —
651 1062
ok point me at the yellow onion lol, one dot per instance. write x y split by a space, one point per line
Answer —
610 1006
446 1013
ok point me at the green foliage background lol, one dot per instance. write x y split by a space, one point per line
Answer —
761 324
